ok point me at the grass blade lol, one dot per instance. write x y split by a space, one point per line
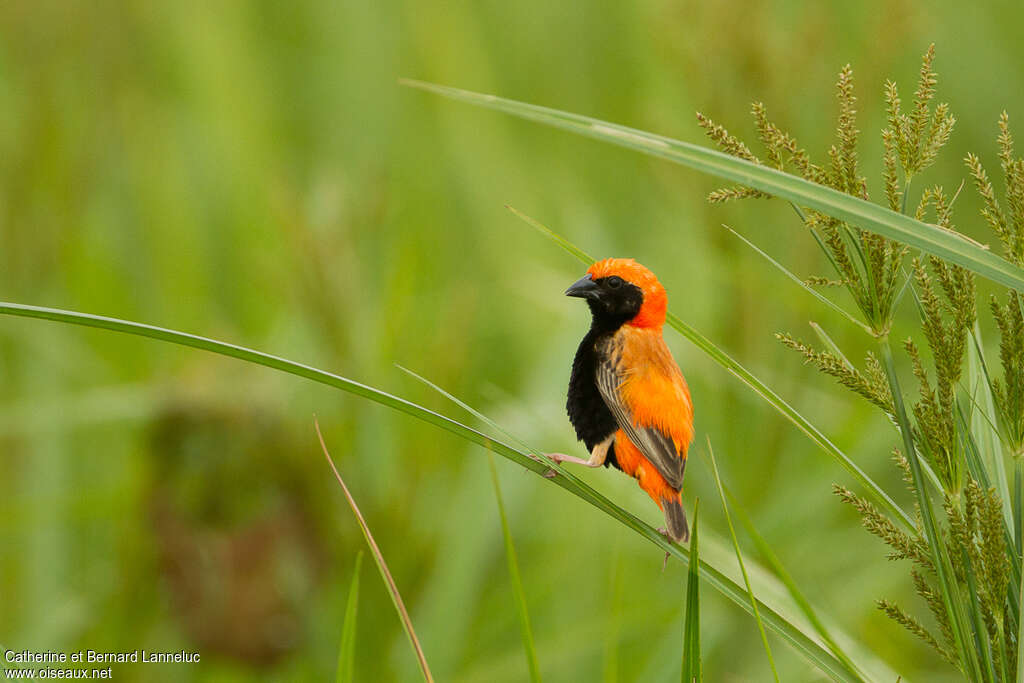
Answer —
830 345
691 629
787 580
977 469
813 292
984 420
270 361
980 633
347 650
517 582
793 634
945 244
948 589
739 558
760 388
382 566
483 418
610 663
1020 637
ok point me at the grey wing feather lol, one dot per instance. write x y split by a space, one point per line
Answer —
656 446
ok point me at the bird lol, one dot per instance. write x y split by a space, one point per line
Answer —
627 399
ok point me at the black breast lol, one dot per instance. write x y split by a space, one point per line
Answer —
588 413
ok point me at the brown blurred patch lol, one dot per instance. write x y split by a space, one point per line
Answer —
237 550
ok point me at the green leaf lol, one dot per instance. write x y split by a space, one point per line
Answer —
791 633
787 580
984 421
347 649
739 558
382 566
517 583
980 634
813 292
945 244
830 345
691 627
1020 637
760 388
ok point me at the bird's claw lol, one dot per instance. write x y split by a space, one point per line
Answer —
664 532
550 474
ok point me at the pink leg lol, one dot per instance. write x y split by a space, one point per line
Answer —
597 456
562 457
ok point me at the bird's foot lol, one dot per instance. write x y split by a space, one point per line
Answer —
596 458
551 473
562 457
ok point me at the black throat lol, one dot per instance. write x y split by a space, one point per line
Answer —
606 322
612 306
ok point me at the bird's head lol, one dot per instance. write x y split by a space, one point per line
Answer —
621 291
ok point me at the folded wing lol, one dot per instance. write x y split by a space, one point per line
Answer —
646 392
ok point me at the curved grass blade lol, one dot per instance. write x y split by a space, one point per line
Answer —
1020 637
270 361
831 345
739 558
945 244
691 630
486 420
787 580
792 633
759 387
382 566
347 649
984 421
517 582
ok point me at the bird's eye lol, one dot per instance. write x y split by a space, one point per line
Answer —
615 282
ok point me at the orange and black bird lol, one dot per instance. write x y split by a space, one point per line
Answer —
628 400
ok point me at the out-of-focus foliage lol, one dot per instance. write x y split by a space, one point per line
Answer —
253 172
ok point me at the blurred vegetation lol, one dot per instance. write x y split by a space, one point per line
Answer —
252 171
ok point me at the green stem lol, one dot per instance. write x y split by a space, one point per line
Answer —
517 582
981 644
940 560
1018 502
1020 636
1004 664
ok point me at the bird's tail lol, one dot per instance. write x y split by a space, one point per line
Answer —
675 519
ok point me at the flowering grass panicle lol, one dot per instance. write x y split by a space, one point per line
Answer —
961 550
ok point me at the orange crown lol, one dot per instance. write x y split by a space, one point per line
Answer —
652 312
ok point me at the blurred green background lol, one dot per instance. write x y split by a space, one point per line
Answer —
253 172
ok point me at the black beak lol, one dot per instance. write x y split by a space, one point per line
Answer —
584 288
